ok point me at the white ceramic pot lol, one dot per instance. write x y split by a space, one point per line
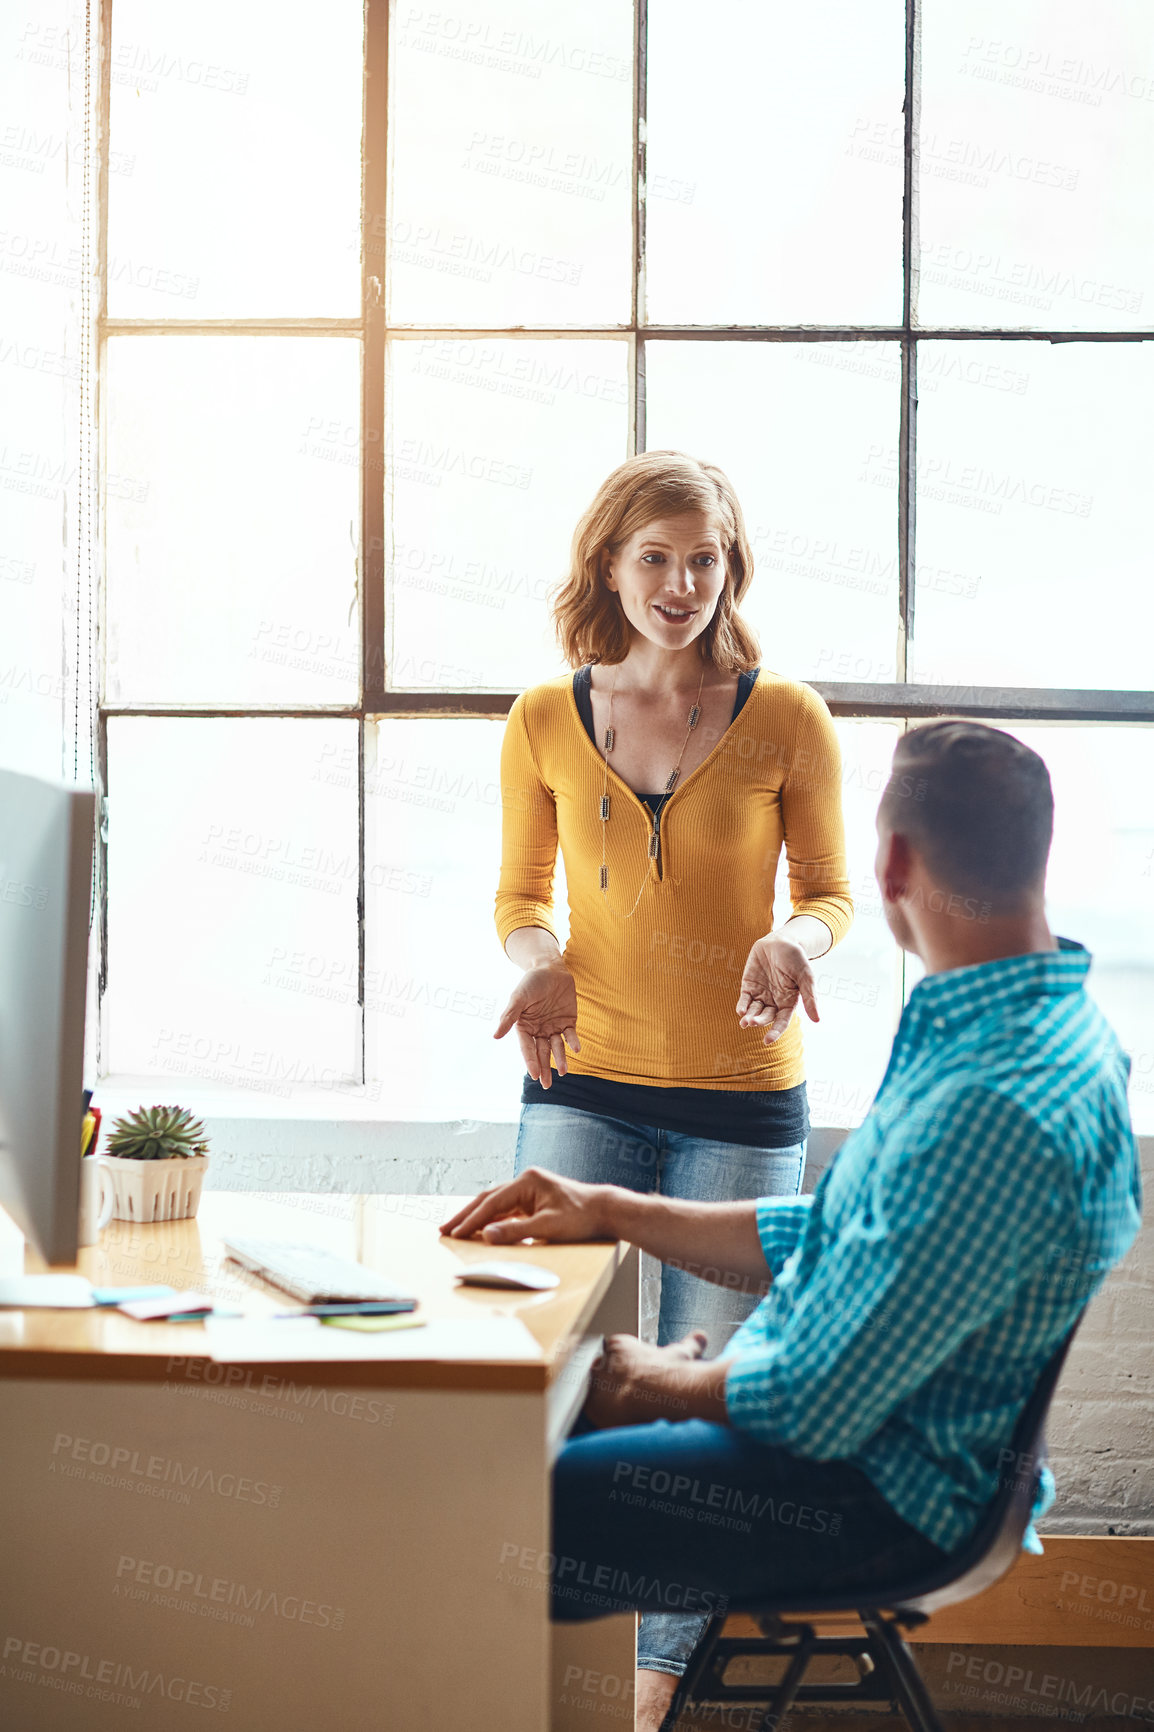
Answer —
151 1190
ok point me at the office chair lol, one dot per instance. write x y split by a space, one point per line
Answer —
886 1669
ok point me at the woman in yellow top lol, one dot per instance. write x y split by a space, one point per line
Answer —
670 769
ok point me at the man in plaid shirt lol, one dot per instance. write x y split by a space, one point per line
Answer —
851 1432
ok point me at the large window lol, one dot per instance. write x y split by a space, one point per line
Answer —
390 290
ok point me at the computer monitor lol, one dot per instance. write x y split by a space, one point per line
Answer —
45 899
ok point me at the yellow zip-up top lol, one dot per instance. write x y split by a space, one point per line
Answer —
656 993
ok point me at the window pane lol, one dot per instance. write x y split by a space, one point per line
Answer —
1103 781
1037 136
42 101
435 979
243 128
37 575
233 489
232 894
498 447
807 433
1033 537
511 138
858 985
775 163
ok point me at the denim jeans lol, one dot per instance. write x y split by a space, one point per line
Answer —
602 1150
606 1151
679 1519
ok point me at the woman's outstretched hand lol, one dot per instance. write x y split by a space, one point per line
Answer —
543 1009
776 975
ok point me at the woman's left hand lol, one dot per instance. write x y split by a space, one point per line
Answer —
776 975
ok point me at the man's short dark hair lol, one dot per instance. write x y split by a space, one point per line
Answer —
977 806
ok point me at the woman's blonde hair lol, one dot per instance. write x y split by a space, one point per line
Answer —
590 624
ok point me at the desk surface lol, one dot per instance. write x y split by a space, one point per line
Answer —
397 1235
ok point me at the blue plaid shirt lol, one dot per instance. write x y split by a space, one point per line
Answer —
952 1243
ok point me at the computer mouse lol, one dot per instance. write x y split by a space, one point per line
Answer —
529 1276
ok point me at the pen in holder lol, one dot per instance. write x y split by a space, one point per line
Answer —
90 1128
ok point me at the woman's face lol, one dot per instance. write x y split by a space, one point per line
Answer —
669 576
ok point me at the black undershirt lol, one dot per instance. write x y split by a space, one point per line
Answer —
769 1119
583 698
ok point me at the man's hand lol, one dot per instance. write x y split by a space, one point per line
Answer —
536 1205
543 1009
777 974
635 1384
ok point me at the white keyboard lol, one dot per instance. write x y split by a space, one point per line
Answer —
314 1276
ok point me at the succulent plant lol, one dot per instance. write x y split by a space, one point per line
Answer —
157 1134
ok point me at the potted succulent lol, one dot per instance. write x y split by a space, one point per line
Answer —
156 1160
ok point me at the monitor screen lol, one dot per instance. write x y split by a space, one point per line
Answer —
46 841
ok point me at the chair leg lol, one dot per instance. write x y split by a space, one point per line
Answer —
901 1673
785 1693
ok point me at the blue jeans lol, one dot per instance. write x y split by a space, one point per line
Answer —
606 1151
602 1150
677 1520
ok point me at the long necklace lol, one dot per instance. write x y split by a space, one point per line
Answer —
671 783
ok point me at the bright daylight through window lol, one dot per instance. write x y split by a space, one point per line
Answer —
384 304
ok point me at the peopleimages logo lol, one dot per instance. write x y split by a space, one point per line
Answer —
81 1675
1020 1683
128 1470
574 1578
216 1596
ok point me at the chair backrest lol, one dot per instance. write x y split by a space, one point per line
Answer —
997 1540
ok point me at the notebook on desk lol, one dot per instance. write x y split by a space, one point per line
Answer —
258 1340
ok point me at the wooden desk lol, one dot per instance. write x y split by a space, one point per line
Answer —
361 1545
